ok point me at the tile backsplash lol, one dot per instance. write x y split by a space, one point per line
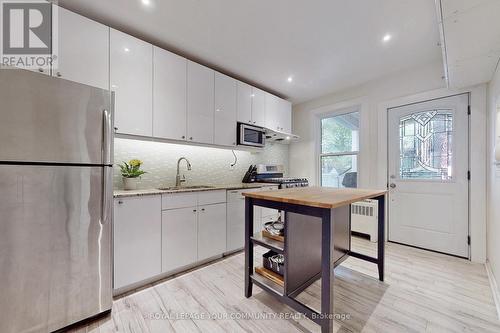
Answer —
209 165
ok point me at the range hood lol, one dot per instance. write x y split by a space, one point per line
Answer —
280 137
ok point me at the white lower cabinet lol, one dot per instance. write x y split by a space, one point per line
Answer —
193 228
136 239
211 231
235 232
179 238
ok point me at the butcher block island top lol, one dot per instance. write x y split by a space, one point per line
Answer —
315 196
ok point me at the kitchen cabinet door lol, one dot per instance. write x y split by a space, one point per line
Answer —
137 239
258 107
131 77
169 97
200 103
235 231
244 103
179 238
83 49
272 112
225 110
285 116
211 231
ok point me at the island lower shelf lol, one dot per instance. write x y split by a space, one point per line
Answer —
301 247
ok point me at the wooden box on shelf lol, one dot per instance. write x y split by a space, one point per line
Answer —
278 238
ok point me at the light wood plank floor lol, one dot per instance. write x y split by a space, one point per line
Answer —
423 292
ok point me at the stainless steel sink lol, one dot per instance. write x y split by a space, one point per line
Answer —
178 188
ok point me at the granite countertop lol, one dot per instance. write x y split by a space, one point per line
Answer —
153 191
321 197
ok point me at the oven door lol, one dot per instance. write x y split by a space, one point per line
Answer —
251 135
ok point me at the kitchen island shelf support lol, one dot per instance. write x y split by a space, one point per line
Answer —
315 243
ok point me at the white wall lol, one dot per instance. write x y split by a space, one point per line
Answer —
493 226
210 165
418 84
369 95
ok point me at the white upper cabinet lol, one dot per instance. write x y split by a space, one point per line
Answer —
225 110
83 49
278 114
258 107
169 97
272 112
244 103
200 103
131 76
285 116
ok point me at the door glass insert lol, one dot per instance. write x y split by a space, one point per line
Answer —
426 149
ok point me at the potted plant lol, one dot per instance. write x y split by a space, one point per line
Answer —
130 172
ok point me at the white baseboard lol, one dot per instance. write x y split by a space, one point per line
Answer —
494 287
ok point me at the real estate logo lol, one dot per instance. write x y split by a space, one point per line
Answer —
27 34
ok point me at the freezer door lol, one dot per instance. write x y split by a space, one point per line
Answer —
55 253
45 119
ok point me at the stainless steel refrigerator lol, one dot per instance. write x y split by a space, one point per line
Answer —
55 202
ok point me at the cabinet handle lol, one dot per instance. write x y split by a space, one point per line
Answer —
120 202
191 138
183 136
41 70
194 210
116 129
203 209
59 74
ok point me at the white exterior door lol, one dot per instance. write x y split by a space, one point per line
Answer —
428 175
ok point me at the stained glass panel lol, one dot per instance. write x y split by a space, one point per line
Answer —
426 145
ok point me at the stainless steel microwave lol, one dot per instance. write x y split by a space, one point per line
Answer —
249 135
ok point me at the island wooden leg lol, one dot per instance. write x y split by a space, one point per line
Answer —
381 237
327 274
248 246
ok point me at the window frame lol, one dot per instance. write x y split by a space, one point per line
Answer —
319 140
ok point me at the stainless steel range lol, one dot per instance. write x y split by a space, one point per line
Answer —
270 173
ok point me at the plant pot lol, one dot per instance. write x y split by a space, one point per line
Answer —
130 184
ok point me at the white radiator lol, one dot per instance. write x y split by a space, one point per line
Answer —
364 218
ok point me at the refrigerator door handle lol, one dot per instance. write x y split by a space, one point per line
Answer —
107 195
108 137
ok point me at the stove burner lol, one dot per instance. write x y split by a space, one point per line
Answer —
286 182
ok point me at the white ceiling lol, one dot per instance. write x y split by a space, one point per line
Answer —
472 39
325 45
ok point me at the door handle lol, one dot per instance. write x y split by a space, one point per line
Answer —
392 185
107 195
108 137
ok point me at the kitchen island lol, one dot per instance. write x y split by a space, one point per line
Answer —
316 239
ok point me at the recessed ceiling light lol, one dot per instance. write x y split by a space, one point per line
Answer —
290 79
146 2
288 138
387 38
126 49
252 95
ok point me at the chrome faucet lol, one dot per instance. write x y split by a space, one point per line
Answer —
178 179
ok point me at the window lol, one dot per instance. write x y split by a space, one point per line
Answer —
339 150
425 141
